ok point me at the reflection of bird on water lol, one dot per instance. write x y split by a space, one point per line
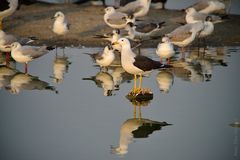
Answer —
188 71
60 67
201 63
6 75
165 80
119 76
136 127
22 81
103 80
7 8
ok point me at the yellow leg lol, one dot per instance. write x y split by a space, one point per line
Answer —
140 82
134 111
135 83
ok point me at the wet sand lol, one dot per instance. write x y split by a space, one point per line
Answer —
87 20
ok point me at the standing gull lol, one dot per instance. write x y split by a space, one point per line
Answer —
138 8
7 11
105 58
115 19
208 28
25 54
193 16
60 25
7 39
112 37
135 64
209 6
165 49
184 35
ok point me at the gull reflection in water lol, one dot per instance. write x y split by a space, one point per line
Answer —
136 127
103 80
21 81
60 67
110 80
165 80
6 74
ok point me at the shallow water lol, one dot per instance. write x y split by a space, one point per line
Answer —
73 119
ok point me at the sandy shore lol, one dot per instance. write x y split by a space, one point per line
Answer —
87 20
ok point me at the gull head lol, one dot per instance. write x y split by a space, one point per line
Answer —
109 10
15 45
116 31
109 46
190 10
122 42
130 25
209 19
165 39
58 14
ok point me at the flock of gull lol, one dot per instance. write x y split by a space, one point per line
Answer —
128 29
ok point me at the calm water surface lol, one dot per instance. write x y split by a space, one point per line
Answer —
61 116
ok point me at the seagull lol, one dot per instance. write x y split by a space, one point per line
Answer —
112 37
7 39
138 8
25 54
184 35
7 11
165 81
105 58
103 80
60 25
193 16
209 6
208 28
165 49
135 64
22 81
143 32
115 19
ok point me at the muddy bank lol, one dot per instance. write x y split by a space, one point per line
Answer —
87 20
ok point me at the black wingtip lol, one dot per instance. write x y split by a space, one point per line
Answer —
51 48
